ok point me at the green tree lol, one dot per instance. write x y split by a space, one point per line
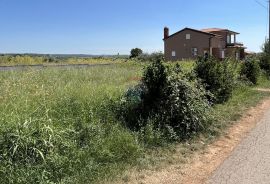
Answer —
135 52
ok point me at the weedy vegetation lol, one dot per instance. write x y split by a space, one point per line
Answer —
87 125
250 70
14 60
57 125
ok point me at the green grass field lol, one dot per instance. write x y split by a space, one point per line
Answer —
57 126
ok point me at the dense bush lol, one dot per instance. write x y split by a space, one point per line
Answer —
184 108
139 101
265 63
264 58
217 76
169 101
250 70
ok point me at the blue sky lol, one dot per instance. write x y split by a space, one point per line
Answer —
116 26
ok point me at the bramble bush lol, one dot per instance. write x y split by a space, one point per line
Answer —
250 70
168 102
217 76
184 108
265 64
265 58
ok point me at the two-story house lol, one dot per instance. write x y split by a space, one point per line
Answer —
191 43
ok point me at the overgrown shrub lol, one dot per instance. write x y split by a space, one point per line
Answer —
217 76
155 80
265 63
250 70
167 99
184 108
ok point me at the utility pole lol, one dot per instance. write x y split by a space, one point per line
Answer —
269 27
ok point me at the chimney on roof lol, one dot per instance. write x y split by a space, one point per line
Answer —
166 32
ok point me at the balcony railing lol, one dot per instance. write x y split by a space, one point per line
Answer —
235 44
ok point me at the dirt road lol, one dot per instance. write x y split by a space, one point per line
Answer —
249 163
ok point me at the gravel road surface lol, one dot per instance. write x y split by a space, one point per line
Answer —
249 163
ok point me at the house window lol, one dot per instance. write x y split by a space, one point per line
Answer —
194 51
173 53
228 38
187 36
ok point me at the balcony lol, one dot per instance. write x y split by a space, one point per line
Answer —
234 44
